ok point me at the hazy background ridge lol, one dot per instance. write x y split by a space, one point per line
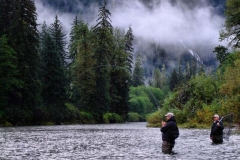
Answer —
174 26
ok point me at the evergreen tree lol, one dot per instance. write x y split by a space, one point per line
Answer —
53 92
138 75
21 30
119 76
163 77
180 72
103 31
58 36
193 67
173 80
129 48
74 38
84 76
8 77
43 33
221 53
157 78
160 77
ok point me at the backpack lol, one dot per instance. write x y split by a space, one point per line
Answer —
174 134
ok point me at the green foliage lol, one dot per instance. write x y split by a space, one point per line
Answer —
20 28
86 118
8 72
230 89
112 118
155 119
83 76
53 88
103 45
221 53
144 100
173 81
119 75
157 78
59 37
228 62
129 48
53 71
6 124
74 115
163 77
188 100
133 117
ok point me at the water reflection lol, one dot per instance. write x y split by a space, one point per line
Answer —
110 141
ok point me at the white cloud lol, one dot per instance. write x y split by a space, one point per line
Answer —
165 23
197 27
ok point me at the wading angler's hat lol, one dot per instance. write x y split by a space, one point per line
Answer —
169 114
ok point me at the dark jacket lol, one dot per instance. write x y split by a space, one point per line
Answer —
217 130
167 129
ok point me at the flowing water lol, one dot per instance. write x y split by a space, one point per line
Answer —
109 141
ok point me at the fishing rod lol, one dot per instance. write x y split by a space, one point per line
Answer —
228 119
225 116
220 119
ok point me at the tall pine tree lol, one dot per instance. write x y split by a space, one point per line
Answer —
53 92
84 76
129 48
54 75
103 31
120 75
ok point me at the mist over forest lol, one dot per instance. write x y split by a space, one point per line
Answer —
164 31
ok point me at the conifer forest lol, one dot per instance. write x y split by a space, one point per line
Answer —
102 73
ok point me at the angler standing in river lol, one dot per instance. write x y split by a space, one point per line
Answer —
216 134
169 133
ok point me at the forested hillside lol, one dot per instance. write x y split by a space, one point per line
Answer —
102 73
154 54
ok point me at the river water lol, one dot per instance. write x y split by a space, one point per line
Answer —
110 141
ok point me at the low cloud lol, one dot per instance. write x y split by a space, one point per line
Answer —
197 27
166 24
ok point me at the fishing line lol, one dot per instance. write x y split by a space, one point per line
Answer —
227 121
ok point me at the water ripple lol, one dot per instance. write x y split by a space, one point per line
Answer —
112 141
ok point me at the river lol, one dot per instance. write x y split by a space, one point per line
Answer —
109 141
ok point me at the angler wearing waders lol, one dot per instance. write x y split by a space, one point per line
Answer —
216 134
169 133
